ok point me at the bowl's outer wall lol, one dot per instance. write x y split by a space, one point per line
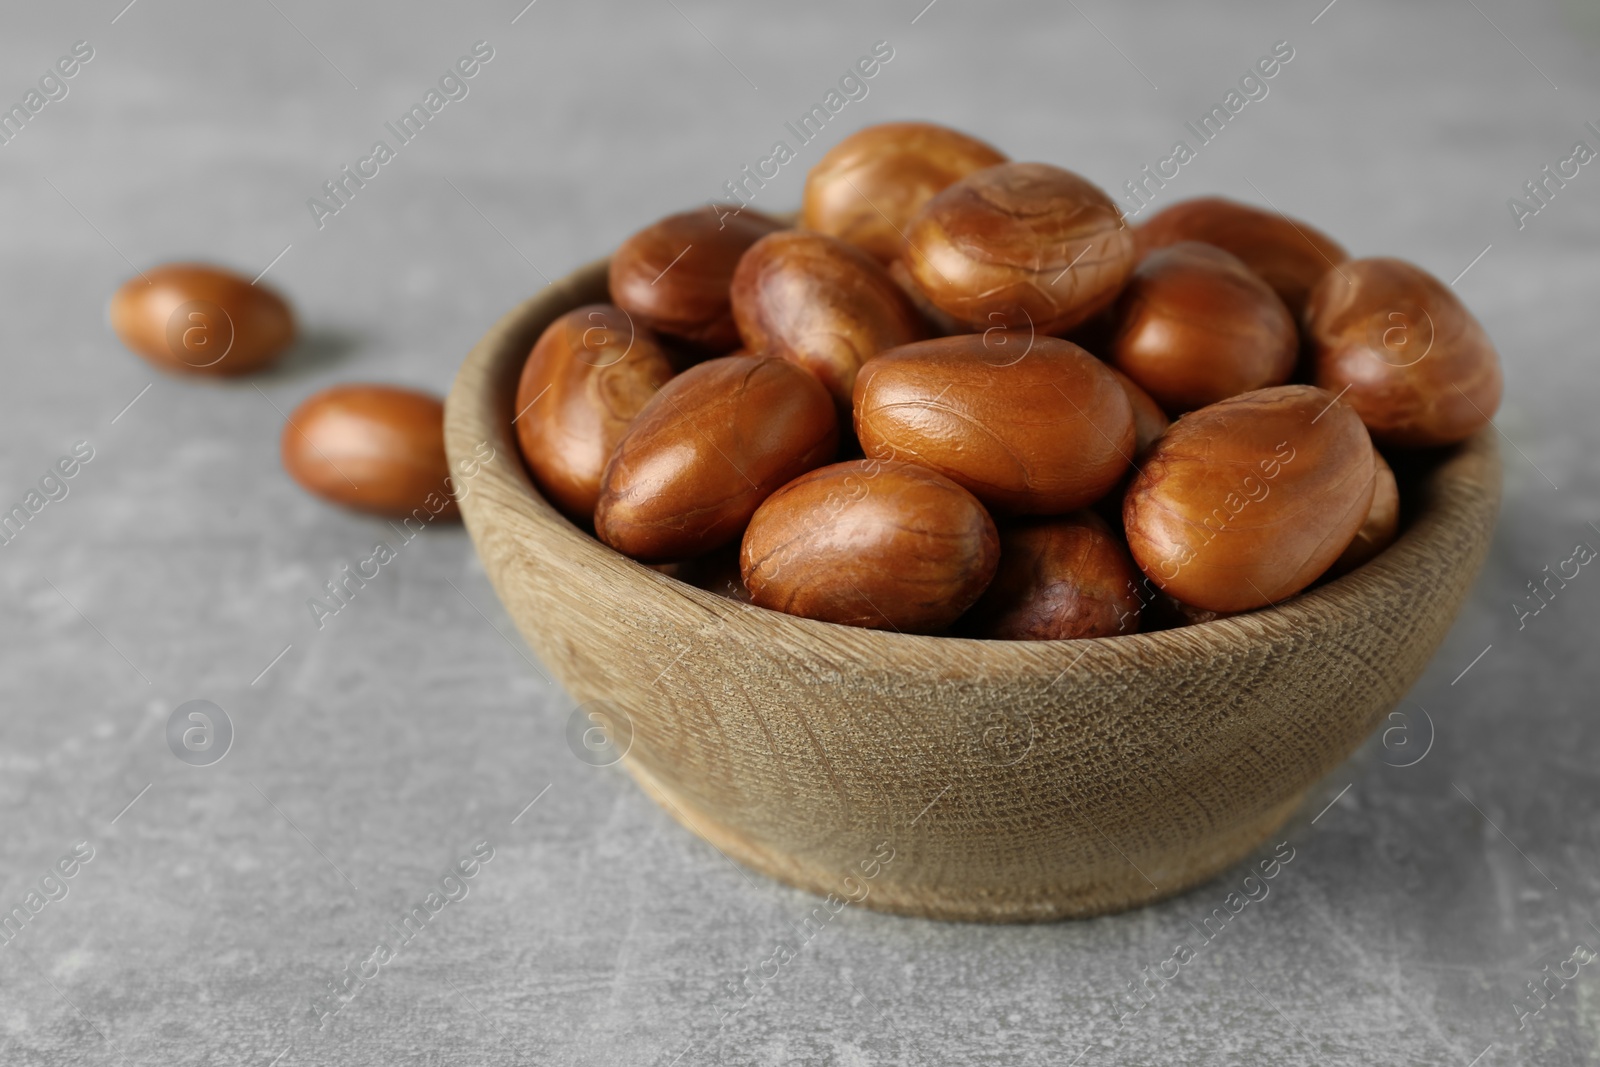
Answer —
1007 780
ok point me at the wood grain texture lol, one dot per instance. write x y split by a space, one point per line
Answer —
1015 781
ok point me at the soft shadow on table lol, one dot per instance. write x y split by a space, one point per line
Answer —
318 348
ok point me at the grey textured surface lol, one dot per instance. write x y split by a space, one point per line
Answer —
376 752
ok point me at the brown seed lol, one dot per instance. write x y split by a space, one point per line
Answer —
1246 502
1195 326
374 448
585 380
886 545
1382 525
1149 421
1288 255
1059 578
820 303
673 276
198 319
707 450
1419 369
867 188
1028 425
935 322
1020 245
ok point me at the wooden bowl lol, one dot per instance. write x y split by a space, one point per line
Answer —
1004 781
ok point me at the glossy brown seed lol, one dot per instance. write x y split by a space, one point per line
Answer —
887 545
1287 254
707 450
935 323
673 276
1059 578
585 380
1021 245
1382 525
374 448
819 303
1149 421
1246 502
199 319
1419 368
1028 425
867 187
1194 326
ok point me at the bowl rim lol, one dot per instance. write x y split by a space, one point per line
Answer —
1460 488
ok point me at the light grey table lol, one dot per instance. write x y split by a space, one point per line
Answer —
220 901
